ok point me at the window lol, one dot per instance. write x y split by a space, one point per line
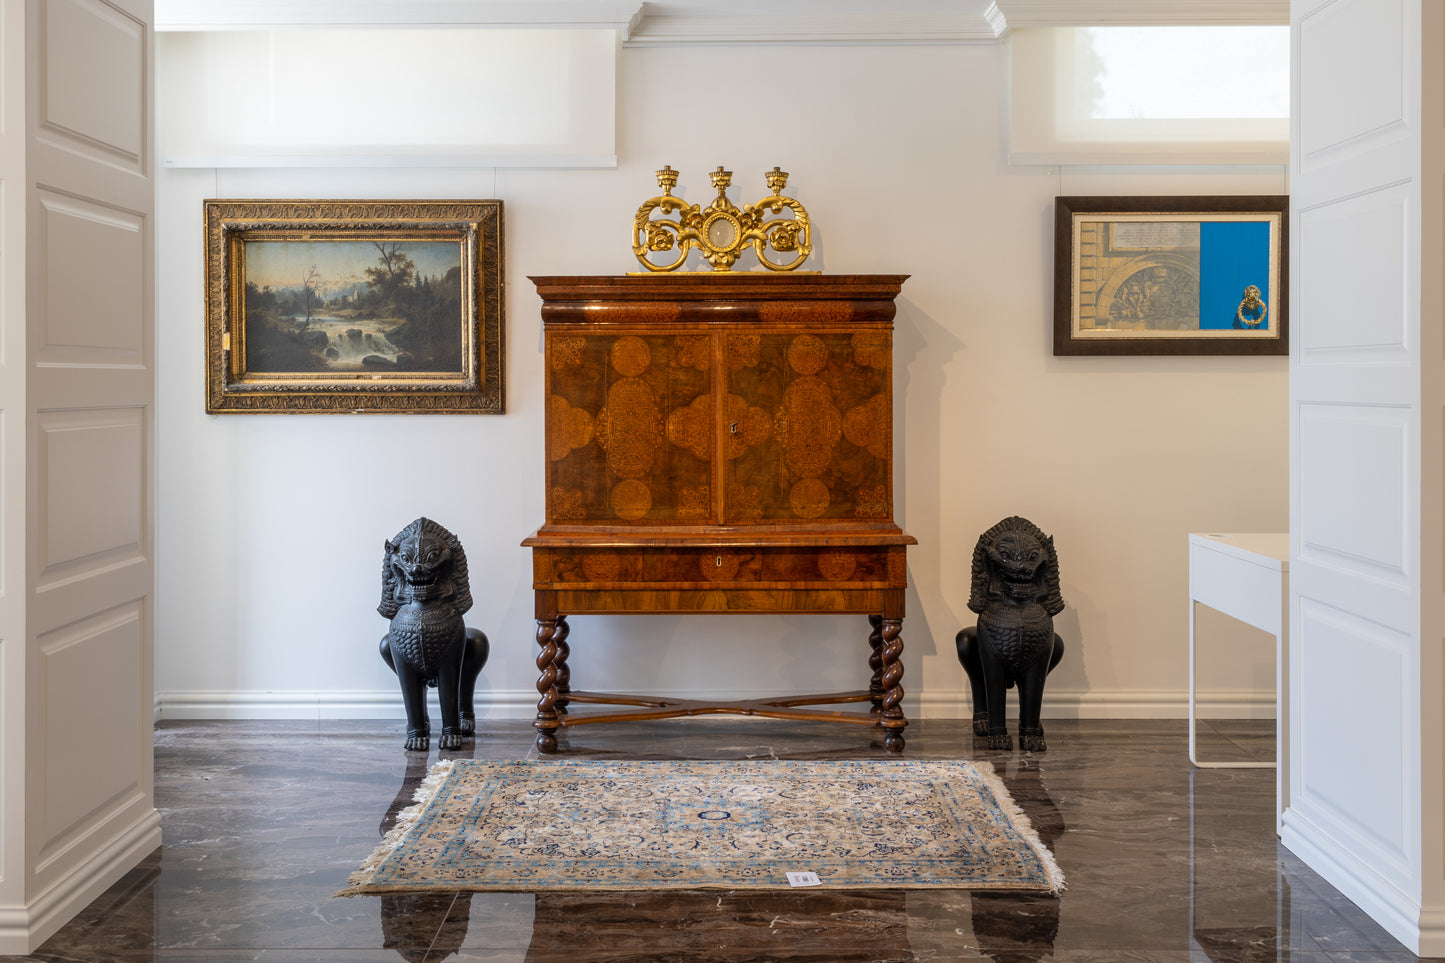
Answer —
1112 95
361 96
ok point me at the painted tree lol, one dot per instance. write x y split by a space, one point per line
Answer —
313 291
393 272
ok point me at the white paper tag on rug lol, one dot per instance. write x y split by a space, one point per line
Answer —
804 879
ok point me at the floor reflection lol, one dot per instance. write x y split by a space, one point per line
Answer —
409 923
263 821
1014 927
1238 904
422 927
829 926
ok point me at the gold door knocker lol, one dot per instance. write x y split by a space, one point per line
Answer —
1252 302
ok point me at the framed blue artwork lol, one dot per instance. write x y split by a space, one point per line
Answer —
1171 275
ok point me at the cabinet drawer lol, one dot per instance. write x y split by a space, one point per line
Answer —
721 566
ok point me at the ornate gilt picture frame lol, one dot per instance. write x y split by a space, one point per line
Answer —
354 306
1171 275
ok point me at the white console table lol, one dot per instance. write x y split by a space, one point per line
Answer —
1245 575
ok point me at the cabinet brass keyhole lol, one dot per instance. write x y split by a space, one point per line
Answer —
733 427
719 561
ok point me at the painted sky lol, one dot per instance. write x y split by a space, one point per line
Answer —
343 264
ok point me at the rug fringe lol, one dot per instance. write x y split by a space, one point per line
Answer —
405 821
1021 821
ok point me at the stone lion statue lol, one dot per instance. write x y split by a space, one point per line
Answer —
425 593
1015 592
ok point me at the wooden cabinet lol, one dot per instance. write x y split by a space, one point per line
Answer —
719 442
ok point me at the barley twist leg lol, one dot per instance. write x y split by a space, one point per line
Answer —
564 674
548 721
892 719
875 662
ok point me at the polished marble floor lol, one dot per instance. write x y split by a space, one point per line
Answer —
263 821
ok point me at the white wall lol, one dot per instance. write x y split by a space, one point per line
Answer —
271 526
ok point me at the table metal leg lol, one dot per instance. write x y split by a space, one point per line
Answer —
1193 756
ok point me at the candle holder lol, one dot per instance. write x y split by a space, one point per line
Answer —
721 232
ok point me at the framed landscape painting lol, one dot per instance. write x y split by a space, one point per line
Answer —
1171 275
354 306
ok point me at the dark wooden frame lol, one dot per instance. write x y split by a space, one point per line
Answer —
1247 207
475 387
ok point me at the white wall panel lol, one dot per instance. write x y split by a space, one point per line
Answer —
94 69
92 750
1365 519
8 796
1345 451
1345 100
1351 292
12 458
76 804
7 589
92 487
94 283
1354 674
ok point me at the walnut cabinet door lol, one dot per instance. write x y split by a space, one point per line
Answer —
808 427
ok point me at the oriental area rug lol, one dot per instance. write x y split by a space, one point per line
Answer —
577 826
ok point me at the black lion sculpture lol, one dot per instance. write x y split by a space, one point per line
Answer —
1016 595
424 592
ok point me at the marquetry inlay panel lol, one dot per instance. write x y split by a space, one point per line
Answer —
805 430
828 455
629 428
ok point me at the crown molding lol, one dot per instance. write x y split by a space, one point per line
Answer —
679 23
207 15
997 22
1122 13
651 24
812 23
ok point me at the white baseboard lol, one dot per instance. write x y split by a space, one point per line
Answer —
338 704
1422 932
522 704
1109 704
24 928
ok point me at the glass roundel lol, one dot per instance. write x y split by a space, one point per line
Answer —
721 231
